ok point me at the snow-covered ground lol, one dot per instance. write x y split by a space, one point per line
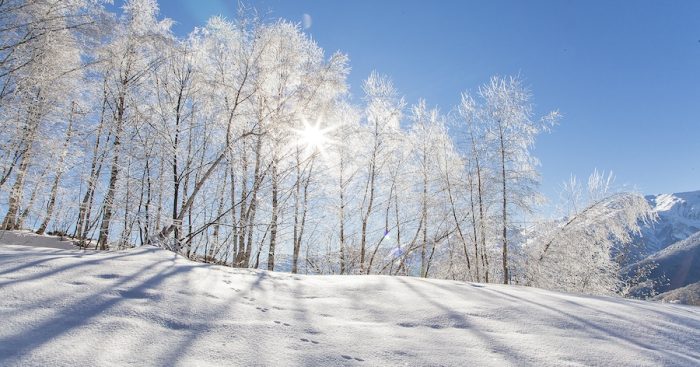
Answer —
147 306
27 238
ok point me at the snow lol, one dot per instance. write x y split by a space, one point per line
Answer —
148 306
27 238
678 218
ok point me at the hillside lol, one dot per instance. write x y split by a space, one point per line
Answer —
676 266
147 306
688 295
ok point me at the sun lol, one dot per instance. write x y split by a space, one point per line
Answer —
313 137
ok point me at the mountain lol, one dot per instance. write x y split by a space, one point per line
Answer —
673 267
678 217
670 246
147 306
688 295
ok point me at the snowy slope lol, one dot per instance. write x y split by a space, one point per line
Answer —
678 218
147 306
27 238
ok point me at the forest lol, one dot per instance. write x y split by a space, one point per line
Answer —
242 145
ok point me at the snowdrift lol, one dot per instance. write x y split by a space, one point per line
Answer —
147 306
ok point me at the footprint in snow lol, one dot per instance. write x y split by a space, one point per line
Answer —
407 324
309 341
350 358
108 276
262 309
281 323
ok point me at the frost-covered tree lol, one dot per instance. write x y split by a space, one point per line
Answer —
579 253
510 130
238 144
383 115
40 81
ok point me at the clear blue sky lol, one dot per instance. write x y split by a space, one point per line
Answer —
625 74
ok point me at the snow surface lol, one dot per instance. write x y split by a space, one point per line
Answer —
27 238
148 306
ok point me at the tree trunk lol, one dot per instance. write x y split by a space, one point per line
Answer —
506 278
114 174
273 221
59 172
15 199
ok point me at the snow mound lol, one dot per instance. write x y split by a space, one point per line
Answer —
147 306
27 238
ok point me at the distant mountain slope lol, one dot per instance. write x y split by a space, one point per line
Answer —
678 218
148 306
688 295
678 265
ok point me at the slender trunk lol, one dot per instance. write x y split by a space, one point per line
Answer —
297 193
365 218
176 178
147 206
386 225
59 172
506 278
302 224
126 230
273 221
424 244
242 220
341 187
15 199
114 173
81 226
456 219
252 208
370 202
32 198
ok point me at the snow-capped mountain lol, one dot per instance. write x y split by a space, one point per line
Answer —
670 246
678 218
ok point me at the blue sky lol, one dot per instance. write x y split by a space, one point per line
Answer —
625 74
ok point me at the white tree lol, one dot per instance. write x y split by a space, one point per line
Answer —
578 253
510 132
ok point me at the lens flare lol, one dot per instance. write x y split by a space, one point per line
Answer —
313 137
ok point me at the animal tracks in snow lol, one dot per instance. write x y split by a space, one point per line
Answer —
345 356
309 341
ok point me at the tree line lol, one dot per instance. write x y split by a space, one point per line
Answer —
240 145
